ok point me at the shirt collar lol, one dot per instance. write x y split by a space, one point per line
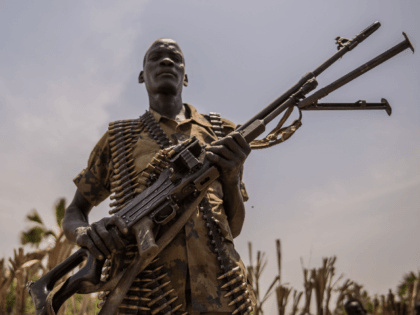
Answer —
194 116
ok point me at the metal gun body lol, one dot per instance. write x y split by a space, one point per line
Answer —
179 181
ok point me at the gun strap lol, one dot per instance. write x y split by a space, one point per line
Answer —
279 134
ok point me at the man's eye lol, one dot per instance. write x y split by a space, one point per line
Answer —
177 58
154 58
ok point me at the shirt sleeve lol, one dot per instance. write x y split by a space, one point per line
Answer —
94 181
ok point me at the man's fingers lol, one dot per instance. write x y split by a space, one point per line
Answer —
121 226
223 152
232 145
241 141
119 223
217 159
95 251
235 143
85 241
226 141
98 242
118 241
105 236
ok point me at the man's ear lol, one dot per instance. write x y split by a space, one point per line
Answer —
185 80
141 77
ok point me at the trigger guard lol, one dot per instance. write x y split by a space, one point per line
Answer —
168 218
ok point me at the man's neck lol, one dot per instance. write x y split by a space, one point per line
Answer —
166 105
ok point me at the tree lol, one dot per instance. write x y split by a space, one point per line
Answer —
38 232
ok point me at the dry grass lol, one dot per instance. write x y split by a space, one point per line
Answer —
14 298
319 284
24 267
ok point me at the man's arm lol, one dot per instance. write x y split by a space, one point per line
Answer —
234 207
95 237
230 154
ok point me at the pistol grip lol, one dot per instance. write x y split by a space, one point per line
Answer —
143 230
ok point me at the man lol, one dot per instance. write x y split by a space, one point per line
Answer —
190 264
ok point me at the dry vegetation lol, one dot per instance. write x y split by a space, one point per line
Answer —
24 267
319 284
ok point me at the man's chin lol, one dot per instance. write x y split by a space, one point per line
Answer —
168 89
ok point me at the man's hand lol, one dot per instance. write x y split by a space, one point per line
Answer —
229 154
100 241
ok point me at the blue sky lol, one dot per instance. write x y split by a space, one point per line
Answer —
346 184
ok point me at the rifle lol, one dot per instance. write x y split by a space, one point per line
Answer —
182 185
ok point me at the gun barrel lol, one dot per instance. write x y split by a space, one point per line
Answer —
277 102
350 45
262 115
358 72
367 32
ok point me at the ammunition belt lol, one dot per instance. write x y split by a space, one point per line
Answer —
151 291
155 131
234 280
216 124
123 136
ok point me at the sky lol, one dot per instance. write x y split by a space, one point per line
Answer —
346 184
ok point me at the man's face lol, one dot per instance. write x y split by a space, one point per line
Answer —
164 68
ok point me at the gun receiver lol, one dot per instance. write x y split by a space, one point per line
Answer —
189 174
188 177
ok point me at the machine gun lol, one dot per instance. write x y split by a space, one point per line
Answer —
183 183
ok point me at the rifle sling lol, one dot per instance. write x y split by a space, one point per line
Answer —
279 134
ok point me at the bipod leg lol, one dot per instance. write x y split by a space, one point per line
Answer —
359 105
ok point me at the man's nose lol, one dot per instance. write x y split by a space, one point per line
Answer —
167 62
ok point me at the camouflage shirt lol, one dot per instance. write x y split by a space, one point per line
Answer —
190 251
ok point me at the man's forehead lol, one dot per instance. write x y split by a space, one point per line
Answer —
164 44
